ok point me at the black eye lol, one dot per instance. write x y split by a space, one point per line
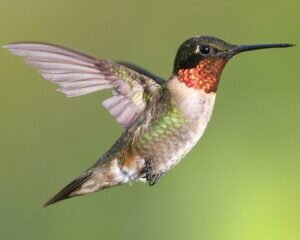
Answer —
205 49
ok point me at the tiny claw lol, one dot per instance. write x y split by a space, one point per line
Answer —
151 178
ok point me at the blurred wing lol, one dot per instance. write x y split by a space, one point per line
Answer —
78 74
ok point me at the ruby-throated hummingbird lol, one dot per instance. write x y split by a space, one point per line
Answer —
163 120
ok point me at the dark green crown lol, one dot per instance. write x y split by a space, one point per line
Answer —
195 49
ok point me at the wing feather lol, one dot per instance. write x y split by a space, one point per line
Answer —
78 74
83 91
71 77
32 47
48 65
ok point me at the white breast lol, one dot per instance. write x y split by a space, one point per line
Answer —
196 106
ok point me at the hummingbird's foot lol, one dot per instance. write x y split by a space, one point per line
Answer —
154 179
151 178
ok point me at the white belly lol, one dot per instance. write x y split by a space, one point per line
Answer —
196 107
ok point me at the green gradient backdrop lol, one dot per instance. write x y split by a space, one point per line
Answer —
240 182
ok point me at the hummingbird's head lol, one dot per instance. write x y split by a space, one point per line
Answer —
200 61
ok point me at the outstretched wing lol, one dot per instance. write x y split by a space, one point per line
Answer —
78 74
142 71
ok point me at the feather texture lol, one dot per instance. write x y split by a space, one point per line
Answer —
79 74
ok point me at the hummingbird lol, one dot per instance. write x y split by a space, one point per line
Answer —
162 120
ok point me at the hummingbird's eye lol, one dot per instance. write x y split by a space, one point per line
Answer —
205 49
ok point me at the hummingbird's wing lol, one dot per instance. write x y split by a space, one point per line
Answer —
142 71
78 74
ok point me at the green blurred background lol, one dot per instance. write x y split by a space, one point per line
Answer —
240 182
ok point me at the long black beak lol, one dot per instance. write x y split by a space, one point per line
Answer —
244 48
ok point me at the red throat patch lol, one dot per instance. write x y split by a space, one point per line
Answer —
205 75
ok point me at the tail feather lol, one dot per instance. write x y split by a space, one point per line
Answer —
99 177
67 191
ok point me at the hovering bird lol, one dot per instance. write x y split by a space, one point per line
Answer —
163 120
